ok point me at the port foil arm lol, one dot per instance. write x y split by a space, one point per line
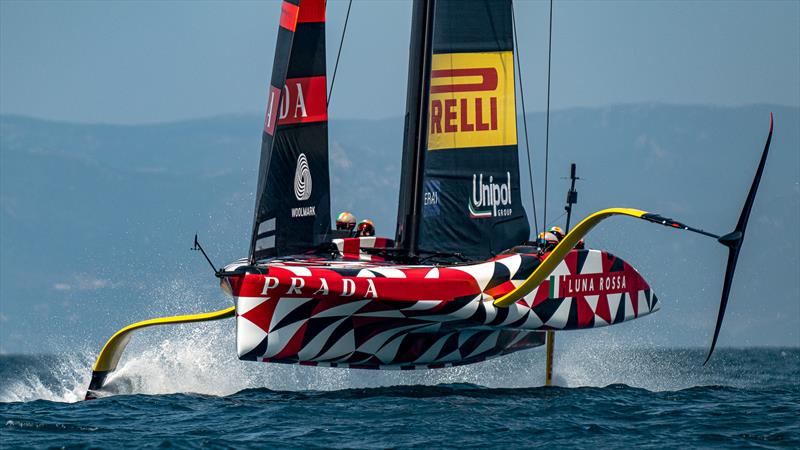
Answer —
112 352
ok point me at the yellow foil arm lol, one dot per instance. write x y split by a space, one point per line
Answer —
112 351
557 255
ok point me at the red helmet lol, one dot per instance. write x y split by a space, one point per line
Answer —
366 228
345 221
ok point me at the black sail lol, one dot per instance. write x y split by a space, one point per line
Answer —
415 130
469 195
292 213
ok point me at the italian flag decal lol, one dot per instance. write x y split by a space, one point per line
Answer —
554 286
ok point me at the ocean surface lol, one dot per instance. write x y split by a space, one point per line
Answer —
189 391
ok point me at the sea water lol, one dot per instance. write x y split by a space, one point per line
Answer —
183 387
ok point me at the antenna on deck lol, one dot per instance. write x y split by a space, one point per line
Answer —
572 195
199 247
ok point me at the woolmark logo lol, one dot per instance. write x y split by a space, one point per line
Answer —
490 198
302 179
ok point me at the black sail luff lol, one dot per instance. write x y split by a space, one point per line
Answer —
416 126
470 198
292 213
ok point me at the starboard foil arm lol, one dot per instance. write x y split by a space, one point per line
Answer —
572 238
732 240
560 251
109 356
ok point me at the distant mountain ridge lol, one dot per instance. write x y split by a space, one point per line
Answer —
95 219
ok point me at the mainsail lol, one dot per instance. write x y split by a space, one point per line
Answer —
466 197
292 213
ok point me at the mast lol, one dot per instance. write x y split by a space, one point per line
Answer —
416 126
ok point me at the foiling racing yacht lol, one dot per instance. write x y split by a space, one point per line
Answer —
459 282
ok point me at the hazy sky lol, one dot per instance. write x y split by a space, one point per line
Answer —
138 62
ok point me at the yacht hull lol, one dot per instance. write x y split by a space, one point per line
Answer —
367 314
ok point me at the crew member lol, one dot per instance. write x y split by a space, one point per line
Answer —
346 222
365 228
547 241
557 232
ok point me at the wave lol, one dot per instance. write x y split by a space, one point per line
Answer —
202 360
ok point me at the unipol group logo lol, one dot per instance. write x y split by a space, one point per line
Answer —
472 100
302 179
490 197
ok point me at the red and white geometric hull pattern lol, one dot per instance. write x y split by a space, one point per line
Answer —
371 315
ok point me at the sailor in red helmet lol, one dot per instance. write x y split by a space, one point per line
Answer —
346 222
365 228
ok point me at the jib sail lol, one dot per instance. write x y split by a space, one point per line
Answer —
292 213
467 198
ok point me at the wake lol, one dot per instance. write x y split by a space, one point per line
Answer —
202 359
